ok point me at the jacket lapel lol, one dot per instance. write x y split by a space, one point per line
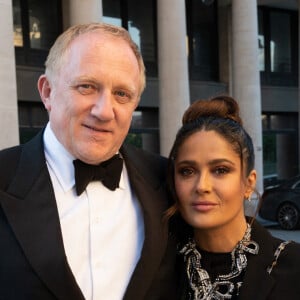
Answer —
30 207
257 282
152 196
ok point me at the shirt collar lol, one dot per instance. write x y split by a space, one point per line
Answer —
61 161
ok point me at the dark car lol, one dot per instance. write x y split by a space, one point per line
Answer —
281 203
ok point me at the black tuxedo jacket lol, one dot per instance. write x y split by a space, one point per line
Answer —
33 263
282 283
284 280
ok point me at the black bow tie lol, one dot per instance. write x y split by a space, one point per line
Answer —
109 172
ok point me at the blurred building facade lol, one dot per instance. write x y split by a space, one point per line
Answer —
193 49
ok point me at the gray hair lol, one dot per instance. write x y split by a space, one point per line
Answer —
56 57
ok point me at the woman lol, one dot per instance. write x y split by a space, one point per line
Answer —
224 254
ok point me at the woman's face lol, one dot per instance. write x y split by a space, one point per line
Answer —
209 182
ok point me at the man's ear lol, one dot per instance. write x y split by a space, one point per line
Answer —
250 184
44 88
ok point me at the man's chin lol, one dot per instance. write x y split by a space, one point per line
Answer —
95 158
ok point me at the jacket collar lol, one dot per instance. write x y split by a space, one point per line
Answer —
257 282
30 206
148 185
31 189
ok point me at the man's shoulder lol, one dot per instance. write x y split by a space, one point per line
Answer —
150 165
10 152
11 157
142 156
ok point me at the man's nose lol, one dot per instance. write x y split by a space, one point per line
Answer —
103 107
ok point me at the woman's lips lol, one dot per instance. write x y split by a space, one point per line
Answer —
203 206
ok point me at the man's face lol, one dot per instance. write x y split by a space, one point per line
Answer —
92 99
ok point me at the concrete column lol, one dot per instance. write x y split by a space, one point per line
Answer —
173 69
81 11
8 87
245 75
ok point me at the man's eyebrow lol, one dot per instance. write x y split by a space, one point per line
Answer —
84 78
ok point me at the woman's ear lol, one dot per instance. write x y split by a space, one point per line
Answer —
44 88
250 184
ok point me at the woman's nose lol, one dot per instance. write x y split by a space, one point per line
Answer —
203 183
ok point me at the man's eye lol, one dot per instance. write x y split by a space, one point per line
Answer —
86 89
122 96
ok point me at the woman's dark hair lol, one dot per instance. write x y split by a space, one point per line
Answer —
219 114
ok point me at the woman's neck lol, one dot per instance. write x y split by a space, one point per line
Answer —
221 239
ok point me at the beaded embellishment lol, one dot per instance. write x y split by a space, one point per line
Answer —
222 288
276 255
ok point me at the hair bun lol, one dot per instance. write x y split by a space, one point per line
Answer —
219 107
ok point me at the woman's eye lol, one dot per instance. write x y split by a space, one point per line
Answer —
221 170
185 172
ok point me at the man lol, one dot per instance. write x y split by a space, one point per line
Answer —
65 240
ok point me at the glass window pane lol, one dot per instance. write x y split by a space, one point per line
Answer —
43 23
112 12
261 42
203 40
201 33
144 131
280 43
18 33
141 28
269 153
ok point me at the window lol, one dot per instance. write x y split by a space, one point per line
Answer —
32 118
144 131
36 26
112 12
138 17
280 145
278 49
280 42
202 39
261 42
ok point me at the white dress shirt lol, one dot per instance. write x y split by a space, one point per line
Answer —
103 230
